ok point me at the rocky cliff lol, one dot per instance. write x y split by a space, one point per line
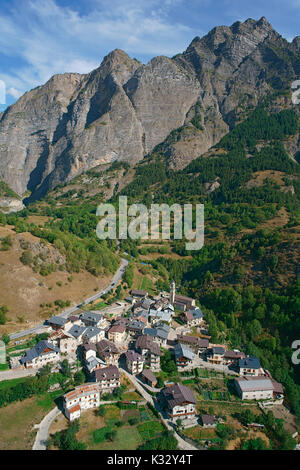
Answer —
123 109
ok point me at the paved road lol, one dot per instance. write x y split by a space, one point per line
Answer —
43 429
17 374
66 313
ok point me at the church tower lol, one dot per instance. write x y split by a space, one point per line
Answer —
172 292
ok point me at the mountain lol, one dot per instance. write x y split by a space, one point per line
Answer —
124 109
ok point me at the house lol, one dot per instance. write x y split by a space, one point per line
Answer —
117 333
83 397
68 345
232 357
193 317
94 363
215 355
89 350
74 319
65 342
162 304
58 323
130 300
148 376
41 354
92 319
138 293
198 345
183 303
184 356
258 388
93 334
143 316
159 334
108 352
107 378
156 316
143 304
209 421
179 401
169 308
151 350
77 332
134 362
135 327
250 365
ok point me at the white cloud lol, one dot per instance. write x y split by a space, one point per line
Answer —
45 38
14 93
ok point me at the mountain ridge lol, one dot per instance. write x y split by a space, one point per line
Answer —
123 109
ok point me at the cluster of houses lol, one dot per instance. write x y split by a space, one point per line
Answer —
136 341
254 382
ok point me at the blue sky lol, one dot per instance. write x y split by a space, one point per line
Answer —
42 37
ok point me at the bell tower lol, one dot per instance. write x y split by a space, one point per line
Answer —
172 292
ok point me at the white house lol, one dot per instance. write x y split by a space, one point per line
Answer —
108 378
84 397
93 334
134 362
41 354
258 388
180 402
250 365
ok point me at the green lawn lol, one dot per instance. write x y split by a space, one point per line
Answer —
127 438
150 429
5 384
147 284
16 423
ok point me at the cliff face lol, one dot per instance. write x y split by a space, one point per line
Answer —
123 109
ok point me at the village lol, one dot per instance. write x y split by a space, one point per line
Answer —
135 344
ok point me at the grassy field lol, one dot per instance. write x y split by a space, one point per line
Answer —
127 438
5 384
17 421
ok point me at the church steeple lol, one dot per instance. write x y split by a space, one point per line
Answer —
172 292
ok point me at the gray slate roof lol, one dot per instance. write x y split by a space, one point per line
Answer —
59 321
181 350
76 331
38 350
91 317
255 384
249 362
91 332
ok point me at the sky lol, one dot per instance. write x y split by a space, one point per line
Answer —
40 38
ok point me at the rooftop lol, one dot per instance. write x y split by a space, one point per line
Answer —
108 373
40 348
249 362
59 321
178 394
